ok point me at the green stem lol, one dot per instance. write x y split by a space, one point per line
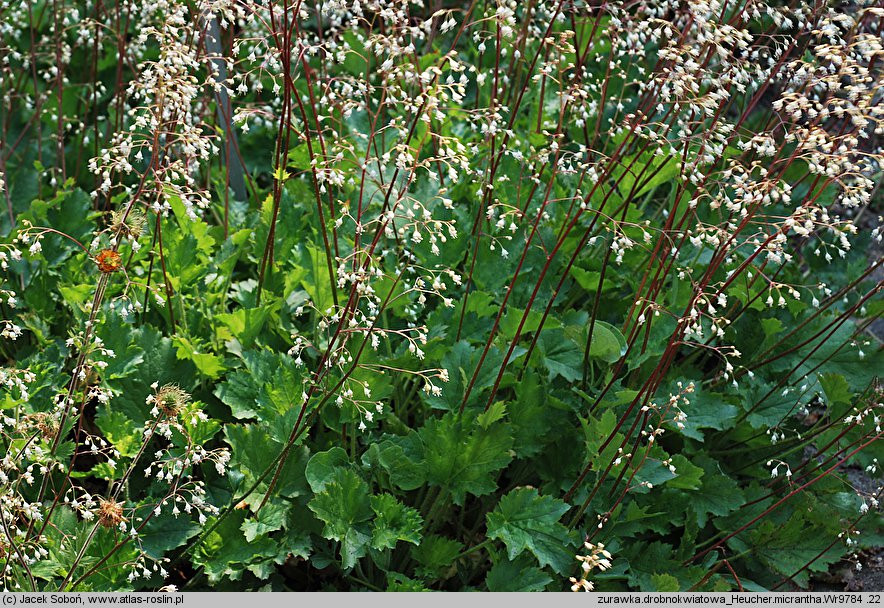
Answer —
437 505
364 583
478 547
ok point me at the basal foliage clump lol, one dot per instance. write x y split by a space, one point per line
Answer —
406 295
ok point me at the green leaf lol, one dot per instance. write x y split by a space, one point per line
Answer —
299 156
122 338
687 475
461 361
345 509
462 459
560 356
245 324
119 430
208 364
532 417
770 405
268 389
492 414
648 171
280 174
436 556
195 227
519 575
838 353
270 518
637 519
836 388
648 560
608 344
402 459
397 582
240 393
653 472
394 522
322 465
587 279
160 365
292 479
166 532
788 548
524 520
596 433
706 410
665 583
299 527
771 327
318 285
226 553
249 447
719 495
513 316
183 259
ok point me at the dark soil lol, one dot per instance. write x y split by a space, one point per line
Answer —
845 577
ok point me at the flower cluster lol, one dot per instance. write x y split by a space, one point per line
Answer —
598 559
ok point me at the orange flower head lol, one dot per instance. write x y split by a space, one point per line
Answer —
109 261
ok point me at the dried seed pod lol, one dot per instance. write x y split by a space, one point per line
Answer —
110 513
